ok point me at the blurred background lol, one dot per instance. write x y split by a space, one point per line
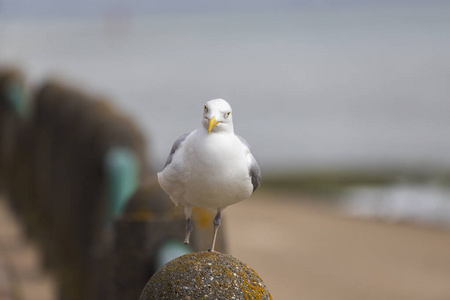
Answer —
345 103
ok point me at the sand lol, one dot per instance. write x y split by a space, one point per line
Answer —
302 251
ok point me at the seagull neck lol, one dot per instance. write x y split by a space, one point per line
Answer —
229 130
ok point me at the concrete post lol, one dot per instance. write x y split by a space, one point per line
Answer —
205 275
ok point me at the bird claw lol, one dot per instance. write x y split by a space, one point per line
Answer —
186 239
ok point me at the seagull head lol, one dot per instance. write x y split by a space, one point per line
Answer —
217 116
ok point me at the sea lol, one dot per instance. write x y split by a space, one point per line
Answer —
311 89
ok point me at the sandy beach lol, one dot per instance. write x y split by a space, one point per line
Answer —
302 251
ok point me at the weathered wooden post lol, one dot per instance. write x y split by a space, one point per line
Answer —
149 234
81 163
123 165
14 108
147 223
107 169
40 219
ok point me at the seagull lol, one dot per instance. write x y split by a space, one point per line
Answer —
210 167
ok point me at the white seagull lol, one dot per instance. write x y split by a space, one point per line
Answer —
210 167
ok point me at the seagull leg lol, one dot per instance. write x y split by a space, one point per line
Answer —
189 227
216 226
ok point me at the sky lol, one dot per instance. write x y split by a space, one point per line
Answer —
351 71
92 8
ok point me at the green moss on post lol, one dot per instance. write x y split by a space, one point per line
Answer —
205 275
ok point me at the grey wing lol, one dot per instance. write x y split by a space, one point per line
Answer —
175 147
255 171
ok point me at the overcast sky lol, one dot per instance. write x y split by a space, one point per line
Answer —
79 8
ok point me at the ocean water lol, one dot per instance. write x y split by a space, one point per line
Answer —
310 89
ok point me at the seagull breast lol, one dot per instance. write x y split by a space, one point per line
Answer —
219 170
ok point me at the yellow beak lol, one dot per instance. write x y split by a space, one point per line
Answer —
212 124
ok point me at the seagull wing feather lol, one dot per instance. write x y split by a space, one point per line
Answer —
255 171
176 145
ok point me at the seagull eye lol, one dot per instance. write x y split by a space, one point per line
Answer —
205 109
227 114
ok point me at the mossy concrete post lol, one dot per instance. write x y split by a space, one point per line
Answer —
205 275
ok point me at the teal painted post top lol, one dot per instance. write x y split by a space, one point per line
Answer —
17 99
122 179
170 250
